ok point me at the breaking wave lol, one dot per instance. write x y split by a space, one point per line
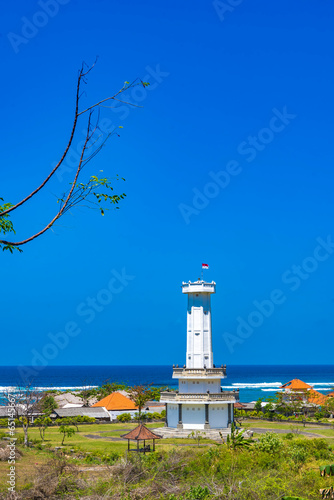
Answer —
48 388
245 385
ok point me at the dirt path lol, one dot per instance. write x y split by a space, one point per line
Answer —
108 438
261 430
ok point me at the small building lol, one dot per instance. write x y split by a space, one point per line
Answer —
5 411
153 407
296 391
71 399
100 414
141 433
247 406
116 404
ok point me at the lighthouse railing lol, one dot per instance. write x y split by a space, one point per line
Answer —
223 396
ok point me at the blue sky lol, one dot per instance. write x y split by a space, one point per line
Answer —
228 162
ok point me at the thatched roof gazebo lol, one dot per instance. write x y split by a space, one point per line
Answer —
141 433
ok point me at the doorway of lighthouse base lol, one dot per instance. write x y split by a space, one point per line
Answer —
193 416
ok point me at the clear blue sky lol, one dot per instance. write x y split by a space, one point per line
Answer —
228 162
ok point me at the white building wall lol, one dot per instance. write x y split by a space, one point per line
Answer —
218 416
199 386
193 416
172 415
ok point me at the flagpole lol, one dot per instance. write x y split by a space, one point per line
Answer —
202 273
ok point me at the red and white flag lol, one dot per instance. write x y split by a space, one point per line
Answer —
205 266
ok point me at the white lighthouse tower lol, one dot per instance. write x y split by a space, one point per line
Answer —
200 402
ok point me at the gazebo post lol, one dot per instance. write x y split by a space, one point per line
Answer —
153 444
137 444
144 446
128 444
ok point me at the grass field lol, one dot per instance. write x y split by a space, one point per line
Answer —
93 441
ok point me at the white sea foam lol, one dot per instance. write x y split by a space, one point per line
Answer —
329 384
62 388
272 390
245 385
48 388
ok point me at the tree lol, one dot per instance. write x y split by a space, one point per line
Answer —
86 393
258 405
66 431
327 408
96 192
108 387
140 394
287 407
197 436
156 392
48 404
26 402
42 423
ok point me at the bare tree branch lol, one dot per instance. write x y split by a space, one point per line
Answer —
62 209
77 192
81 78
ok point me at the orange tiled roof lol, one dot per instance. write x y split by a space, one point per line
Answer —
296 385
316 397
116 401
140 433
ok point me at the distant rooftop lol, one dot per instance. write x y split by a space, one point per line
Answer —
296 385
116 401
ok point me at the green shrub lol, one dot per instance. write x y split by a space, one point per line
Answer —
84 419
124 417
289 435
197 493
163 413
92 459
112 457
269 442
298 454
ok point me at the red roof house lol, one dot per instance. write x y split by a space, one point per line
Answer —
116 402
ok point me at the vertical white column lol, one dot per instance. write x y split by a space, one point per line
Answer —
199 335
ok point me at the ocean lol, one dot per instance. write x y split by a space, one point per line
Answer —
253 382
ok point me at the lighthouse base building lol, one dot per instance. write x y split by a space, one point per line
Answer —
199 404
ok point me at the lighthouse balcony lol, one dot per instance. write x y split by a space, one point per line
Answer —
219 397
198 373
198 287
